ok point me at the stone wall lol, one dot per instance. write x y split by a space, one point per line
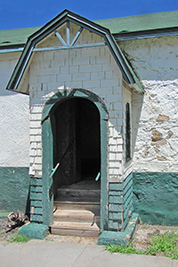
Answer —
155 116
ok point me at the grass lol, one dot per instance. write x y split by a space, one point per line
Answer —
122 249
18 239
165 244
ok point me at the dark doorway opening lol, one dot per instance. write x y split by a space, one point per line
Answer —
76 142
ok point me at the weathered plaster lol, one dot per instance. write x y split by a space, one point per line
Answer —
14 118
155 64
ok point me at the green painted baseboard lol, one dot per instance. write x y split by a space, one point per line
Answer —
14 189
156 197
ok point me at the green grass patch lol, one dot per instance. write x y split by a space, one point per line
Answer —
18 239
166 244
161 244
122 249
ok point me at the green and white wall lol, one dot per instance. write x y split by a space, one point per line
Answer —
155 129
14 141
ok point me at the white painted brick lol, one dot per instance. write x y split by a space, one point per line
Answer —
74 84
92 60
34 80
46 64
38 160
117 105
112 156
91 84
80 76
35 131
81 61
35 138
109 83
112 141
114 164
97 75
59 55
115 113
64 69
109 67
44 79
90 52
32 152
115 171
36 110
64 77
37 167
48 55
119 156
39 152
90 68
54 86
74 69
103 60
35 116
53 79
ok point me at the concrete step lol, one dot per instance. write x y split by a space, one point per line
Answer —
75 228
76 216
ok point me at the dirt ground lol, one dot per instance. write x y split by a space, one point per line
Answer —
141 239
143 233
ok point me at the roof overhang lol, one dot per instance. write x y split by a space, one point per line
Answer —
127 72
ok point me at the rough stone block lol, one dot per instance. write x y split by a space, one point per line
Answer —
34 230
118 238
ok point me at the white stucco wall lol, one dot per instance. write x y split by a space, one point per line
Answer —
14 118
155 116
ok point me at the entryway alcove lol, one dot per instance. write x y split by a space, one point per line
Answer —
74 138
76 155
76 142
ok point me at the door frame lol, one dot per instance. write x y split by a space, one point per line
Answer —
47 145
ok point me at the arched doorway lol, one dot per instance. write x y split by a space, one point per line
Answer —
50 179
76 142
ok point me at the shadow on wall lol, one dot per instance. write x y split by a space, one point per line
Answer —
137 103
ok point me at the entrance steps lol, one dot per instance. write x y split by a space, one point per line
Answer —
77 210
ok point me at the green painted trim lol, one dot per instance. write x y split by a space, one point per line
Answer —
47 143
118 238
34 230
155 197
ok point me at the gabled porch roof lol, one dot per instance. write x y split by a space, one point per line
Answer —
68 16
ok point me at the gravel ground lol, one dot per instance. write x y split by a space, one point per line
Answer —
4 233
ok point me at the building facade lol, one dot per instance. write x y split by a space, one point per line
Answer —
105 92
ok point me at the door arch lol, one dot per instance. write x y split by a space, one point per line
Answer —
53 107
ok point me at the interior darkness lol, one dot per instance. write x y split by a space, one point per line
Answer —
76 133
